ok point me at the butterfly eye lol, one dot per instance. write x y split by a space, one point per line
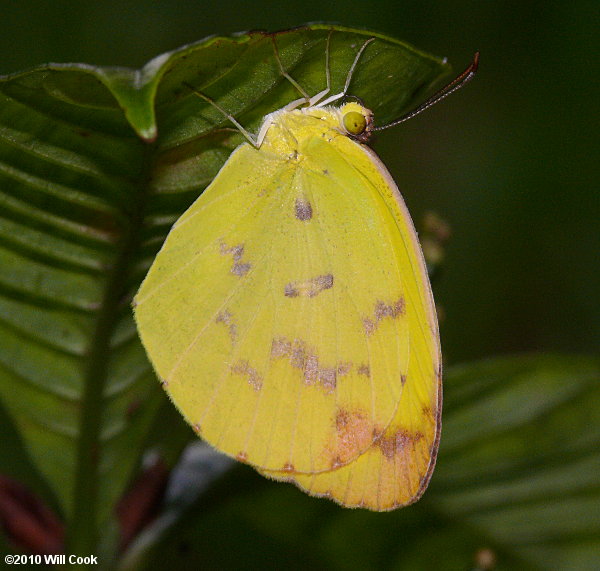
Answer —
354 122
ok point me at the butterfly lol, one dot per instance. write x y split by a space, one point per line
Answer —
289 313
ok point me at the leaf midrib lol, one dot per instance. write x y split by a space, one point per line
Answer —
82 528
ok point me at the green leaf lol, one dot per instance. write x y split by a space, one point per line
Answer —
95 165
520 457
516 482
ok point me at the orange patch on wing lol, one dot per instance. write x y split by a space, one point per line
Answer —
355 434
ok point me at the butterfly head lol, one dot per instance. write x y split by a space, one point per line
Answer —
356 121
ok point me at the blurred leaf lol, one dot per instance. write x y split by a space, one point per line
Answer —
521 457
517 482
95 166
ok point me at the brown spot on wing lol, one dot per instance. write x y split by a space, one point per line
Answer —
306 359
382 311
298 355
241 457
314 373
344 368
197 429
394 310
226 318
303 209
280 347
290 290
396 442
288 467
325 376
369 325
310 287
364 370
238 268
242 367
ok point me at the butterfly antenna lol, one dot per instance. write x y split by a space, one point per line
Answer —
453 86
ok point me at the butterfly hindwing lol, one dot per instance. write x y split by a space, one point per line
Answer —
395 470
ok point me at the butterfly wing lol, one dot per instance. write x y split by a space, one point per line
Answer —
396 468
290 319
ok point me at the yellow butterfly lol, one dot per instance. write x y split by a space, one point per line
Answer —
289 314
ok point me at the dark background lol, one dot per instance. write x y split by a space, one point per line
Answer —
510 162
